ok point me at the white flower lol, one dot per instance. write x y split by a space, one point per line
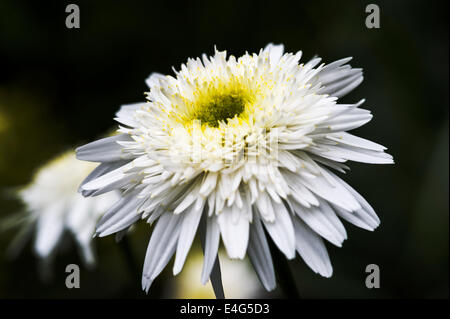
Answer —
239 281
54 205
246 144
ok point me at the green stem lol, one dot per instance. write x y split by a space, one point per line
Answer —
130 262
283 273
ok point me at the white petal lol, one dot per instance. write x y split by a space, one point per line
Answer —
153 79
339 79
120 216
334 193
352 140
101 170
265 208
330 69
50 227
211 244
275 53
281 230
126 114
312 249
234 233
259 254
190 197
348 86
104 150
161 247
189 227
118 177
351 119
358 218
208 184
365 205
323 221
114 176
79 213
85 244
342 152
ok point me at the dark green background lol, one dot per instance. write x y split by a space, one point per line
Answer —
60 87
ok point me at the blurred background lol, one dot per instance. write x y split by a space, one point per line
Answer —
60 88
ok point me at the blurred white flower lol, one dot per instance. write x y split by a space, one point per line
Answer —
239 281
246 143
53 205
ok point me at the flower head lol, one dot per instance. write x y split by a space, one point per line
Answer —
54 205
236 146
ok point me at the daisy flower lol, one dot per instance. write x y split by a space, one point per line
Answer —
237 148
54 205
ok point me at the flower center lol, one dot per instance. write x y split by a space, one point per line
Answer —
220 107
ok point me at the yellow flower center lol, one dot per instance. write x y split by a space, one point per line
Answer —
220 107
218 102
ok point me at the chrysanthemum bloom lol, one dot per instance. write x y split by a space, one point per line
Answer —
54 205
247 144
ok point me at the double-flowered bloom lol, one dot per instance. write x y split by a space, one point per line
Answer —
238 148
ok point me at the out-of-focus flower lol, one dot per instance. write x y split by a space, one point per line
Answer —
239 281
247 144
53 205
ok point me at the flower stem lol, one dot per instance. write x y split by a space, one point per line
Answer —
134 288
283 273
130 262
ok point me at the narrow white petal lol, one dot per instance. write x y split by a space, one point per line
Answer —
50 227
109 178
312 249
282 231
104 150
352 140
348 87
101 170
335 193
211 246
161 247
365 205
259 254
358 218
120 216
189 227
